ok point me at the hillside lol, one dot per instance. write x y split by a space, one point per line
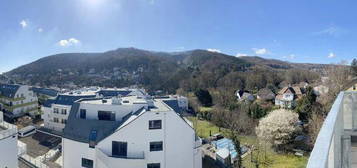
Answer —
153 70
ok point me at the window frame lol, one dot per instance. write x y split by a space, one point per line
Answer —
83 113
156 146
121 146
87 163
152 125
153 165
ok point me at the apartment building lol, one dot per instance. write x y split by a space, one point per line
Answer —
17 100
131 132
56 111
8 144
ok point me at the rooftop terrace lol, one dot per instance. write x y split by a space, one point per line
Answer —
336 145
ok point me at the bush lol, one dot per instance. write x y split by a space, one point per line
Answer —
279 128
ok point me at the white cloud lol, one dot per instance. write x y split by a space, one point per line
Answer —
214 50
40 30
260 51
23 23
241 55
69 42
291 56
331 55
333 31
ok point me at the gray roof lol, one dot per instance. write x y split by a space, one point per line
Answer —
45 91
112 93
65 100
8 90
80 129
173 104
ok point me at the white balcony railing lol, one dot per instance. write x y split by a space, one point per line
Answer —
333 145
133 160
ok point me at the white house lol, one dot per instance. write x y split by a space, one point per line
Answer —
17 100
8 144
242 95
286 98
119 132
177 102
56 111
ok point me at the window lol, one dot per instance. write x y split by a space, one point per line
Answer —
87 163
63 121
153 165
155 124
83 113
55 110
55 120
119 149
155 146
106 115
64 111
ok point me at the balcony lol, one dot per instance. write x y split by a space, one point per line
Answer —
132 160
6 129
336 145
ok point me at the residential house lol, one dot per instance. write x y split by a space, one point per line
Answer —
8 144
17 100
286 98
243 95
177 102
56 111
265 94
106 133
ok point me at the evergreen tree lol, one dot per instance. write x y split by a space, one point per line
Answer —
354 67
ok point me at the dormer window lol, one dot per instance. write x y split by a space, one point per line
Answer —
106 115
92 138
83 114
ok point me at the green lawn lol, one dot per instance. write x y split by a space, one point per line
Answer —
273 159
205 109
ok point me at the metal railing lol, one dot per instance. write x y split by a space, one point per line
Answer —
332 148
33 162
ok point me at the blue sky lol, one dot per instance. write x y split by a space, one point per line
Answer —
319 31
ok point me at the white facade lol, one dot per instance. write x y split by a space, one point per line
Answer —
55 117
22 101
56 114
287 100
180 147
8 145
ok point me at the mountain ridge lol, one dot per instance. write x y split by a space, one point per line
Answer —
132 66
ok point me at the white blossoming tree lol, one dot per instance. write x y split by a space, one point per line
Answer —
279 127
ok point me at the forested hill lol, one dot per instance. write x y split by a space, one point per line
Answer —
158 70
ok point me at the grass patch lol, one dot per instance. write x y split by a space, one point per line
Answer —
205 109
204 128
